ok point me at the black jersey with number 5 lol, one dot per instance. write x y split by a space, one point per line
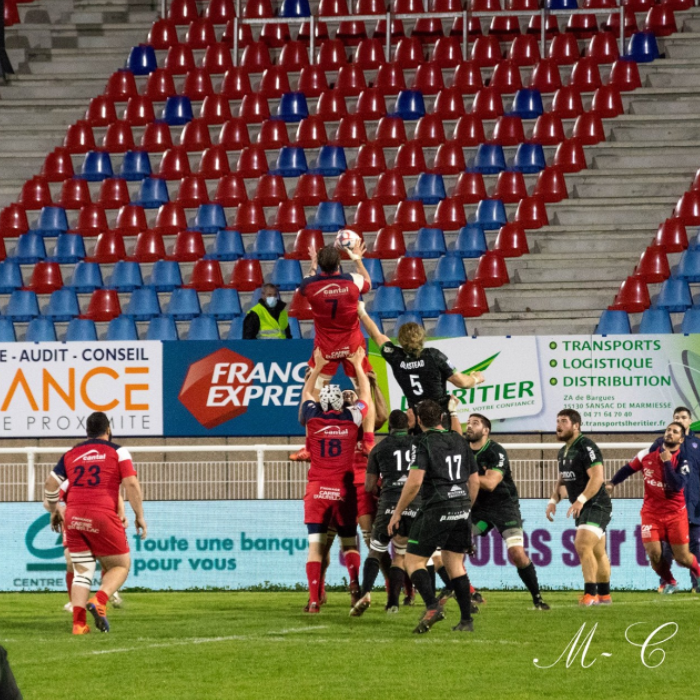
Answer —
448 462
391 459
420 377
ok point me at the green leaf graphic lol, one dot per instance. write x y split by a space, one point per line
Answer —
481 366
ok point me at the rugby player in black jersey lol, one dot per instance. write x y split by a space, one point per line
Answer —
498 506
444 471
420 372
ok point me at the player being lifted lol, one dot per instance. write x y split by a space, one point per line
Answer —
390 461
664 514
444 471
331 437
420 372
581 472
498 505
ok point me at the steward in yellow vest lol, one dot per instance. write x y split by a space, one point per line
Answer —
267 320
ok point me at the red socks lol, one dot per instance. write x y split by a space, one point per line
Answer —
664 571
69 581
694 567
353 562
313 574
79 616
102 597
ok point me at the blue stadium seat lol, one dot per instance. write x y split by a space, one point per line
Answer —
491 214
177 110
562 4
52 221
135 166
122 328
81 330
10 276
529 158
470 242
23 305
674 296
489 159
143 304
292 107
87 277
449 326
224 303
235 332
228 245
429 301
429 189
295 8
449 272
309 333
691 321
7 331
40 330
656 321
70 248
642 47
291 162
286 274
30 249
165 276
428 243
330 216
203 328
268 245
375 270
63 305
210 218
406 317
527 104
153 193
409 105
97 166
142 60
330 162
294 328
688 266
126 276
388 302
613 322
162 328
183 304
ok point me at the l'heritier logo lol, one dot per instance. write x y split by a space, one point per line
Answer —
481 366
45 545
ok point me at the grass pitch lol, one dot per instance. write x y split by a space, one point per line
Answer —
202 646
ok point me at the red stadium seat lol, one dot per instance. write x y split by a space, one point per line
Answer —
624 75
206 276
551 25
505 27
350 189
524 50
274 82
200 33
74 193
114 193
603 48
156 138
273 134
653 265
688 208
548 130
612 23
450 215
583 26
170 219
390 79
230 190
388 244
195 135
254 109
449 103
567 103
570 157
409 158
179 60
409 52
220 11
351 33
311 132
260 9
486 51
369 54
429 130
351 132
236 84
585 75
160 85
131 220
607 102
390 188
633 296
118 138
390 132
247 275
306 238
469 189
293 56
468 131
139 111
91 221
270 190
275 35
256 57
332 8
13 221
672 236
182 12
217 59
250 217
79 138
197 84
121 86
447 52
449 159
174 164
491 270
252 161
506 77
46 277
467 78
331 55
35 193
234 134
551 185
471 300
58 165
289 217
312 80
409 274
351 80
532 213
163 34
369 216
192 192
104 305
660 20
510 187
545 76
508 131
331 106
149 247
109 248
487 104
188 247
101 111
588 128
215 109
213 163
511 241
428 79
563 50
410 215
310 190
370 104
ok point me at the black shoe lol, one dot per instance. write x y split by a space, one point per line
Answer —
477 597
541 605
464 626
431 616
473 608
409 600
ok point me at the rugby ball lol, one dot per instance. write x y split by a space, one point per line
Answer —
346 239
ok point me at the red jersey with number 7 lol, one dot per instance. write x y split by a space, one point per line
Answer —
331 438
95 469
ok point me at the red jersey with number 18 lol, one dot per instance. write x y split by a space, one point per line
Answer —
95 469
331 437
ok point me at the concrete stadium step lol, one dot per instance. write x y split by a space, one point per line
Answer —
578 242
553 304
611 211
531 324
613 155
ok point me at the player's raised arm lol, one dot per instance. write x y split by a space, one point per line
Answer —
377 336
356 256
133 493
466 381
364 393
380 406
310 385
455 423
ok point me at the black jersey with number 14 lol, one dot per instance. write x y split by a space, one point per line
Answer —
420 377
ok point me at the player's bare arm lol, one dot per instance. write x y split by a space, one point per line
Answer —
308 393
466 381
455 423
52 488
408 494
554 499
364 393
121 512
133 493
377 336
596 478
356 256
313 257
380 406
371 481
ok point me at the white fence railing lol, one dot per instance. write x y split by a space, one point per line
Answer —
232 477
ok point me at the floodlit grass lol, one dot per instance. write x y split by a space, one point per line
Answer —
167 646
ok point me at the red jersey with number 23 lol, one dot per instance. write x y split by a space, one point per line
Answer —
95 469
331 438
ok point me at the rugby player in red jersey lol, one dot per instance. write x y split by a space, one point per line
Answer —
664 516
331 436
95 469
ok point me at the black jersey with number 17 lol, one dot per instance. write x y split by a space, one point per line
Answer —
420 377
448 463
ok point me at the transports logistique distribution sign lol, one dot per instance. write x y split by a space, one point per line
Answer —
239 544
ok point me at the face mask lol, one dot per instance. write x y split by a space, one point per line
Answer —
271 301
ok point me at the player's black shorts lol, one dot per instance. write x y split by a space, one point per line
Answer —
595 514
505 518
385 509
447 527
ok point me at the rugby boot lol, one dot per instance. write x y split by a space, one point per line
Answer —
81 629
99 612
445 595
360 606
355 591
587 600
116 600
432 616
540 604
477 597
464 626
312 608
604 599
